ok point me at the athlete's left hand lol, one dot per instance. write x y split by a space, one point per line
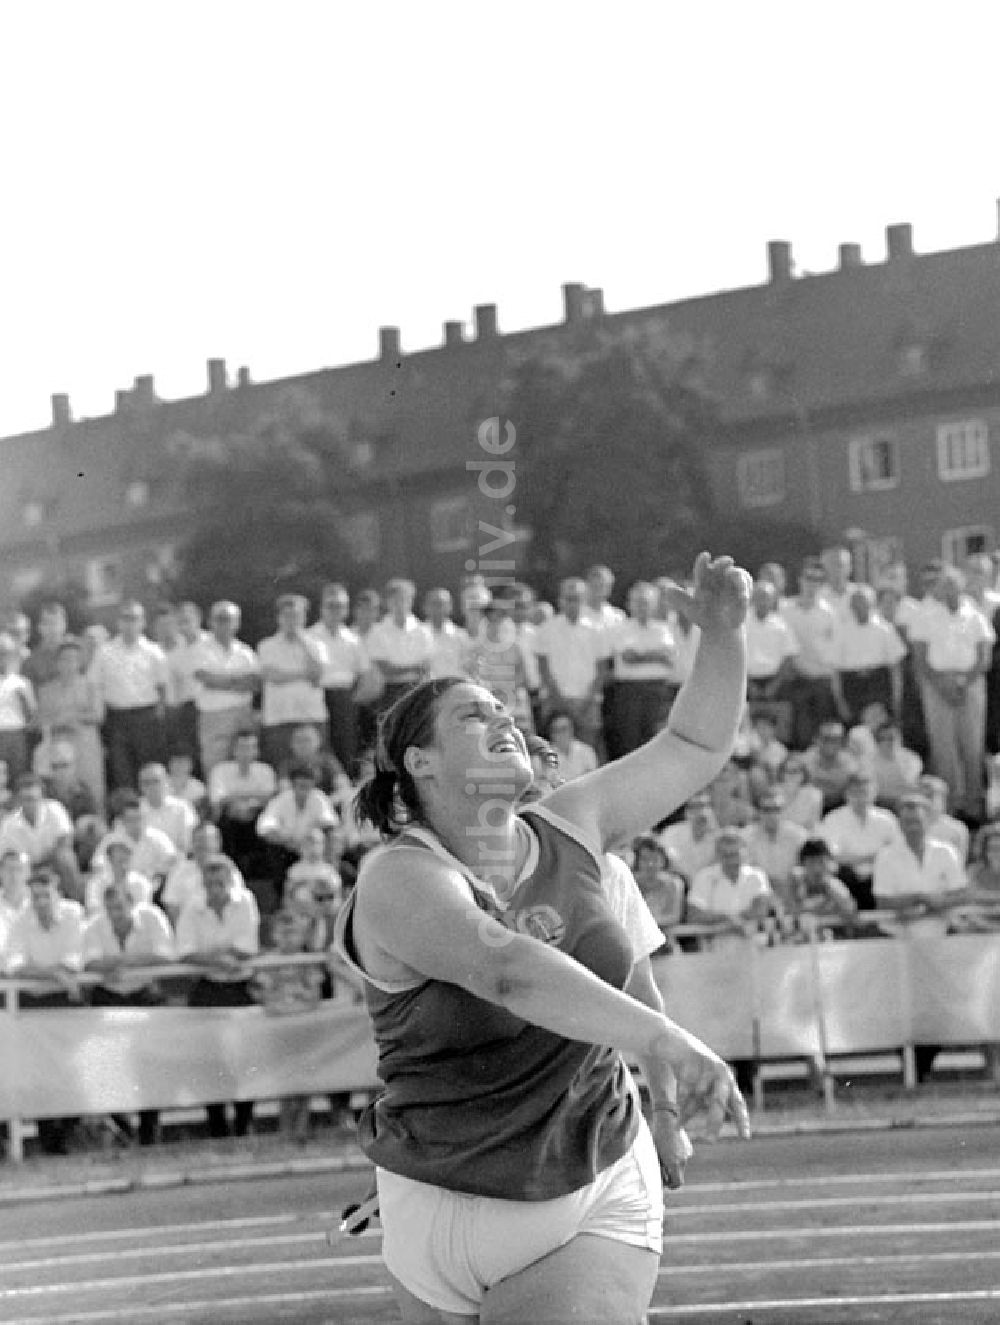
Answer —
705 1084
673 1146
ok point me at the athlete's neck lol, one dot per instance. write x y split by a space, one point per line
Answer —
484 836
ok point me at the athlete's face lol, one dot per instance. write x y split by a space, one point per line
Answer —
477 744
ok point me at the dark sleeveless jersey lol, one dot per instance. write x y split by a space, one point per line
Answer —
475 1098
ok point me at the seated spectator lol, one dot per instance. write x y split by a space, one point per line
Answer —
814 897
803 802
575 758
122 935
15 897
288 818
153 853
894 768
219 935
830 764
238 790
183 784
117 870
284 990
185 882
328 771
313 868
45 944
6 795
662 888
855 833
62 784
982 916
730 796
41 828
731 896
940 824
773 843
690 844
920 880
765 752
17 708
170 814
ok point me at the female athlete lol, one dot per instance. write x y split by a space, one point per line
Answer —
517 1180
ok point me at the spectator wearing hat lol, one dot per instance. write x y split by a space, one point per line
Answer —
219 935
41 828
18 709
226 674
132 681
345 664
291 665
400 646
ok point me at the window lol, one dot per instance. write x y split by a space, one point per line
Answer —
958 544
137 493
103 579
963 450
760 476
361 534
449 521
33 513
160 564
363 455
873 463
913 360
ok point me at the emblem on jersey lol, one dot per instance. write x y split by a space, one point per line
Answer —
541 922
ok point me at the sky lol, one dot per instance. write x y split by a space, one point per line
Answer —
271 183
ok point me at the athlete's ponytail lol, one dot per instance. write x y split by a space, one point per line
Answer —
389 800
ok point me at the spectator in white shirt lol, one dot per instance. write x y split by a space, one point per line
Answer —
15 867
642 676
18 709
598 609
117 870
771 646
290 816
570 653
953 646
153 853
291 665
450 643
182 783
838 565
400 646
774 843
894 768
183 660
868 658
170 814
855 833
575 757
941 825
218 935
185 882
132 680
346 661
238 790
690 844
813 622
227 676
42 829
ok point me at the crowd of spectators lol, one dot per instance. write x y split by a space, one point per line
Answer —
170 793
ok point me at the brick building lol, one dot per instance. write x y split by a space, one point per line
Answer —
866 398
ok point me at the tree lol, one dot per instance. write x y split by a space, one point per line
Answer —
610 429
267 509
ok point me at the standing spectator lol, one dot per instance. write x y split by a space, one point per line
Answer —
219 935
227 676
774 843
838 564
291 665
41 828
238 790
449 643
690 844
400 646
571 654
774 573
17 625
830 764
867 661
499 660
367 610
952 651
182 782
345 663
813 622
40 666
771 650
474 600
287 820
17 709
130 673
153 853
643 678
920 880
124 934
598 609
855 834
575 757
45 943
161 810
70 701
184 659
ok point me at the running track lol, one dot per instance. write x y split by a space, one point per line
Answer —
897 1226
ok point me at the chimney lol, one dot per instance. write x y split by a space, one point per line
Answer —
573 302
61 416
388 344
998 220
243 376
454 333
121 401
779 261
593 303
899 241
486 321
144 390
216 376
850 256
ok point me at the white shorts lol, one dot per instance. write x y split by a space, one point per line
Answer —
448 1247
